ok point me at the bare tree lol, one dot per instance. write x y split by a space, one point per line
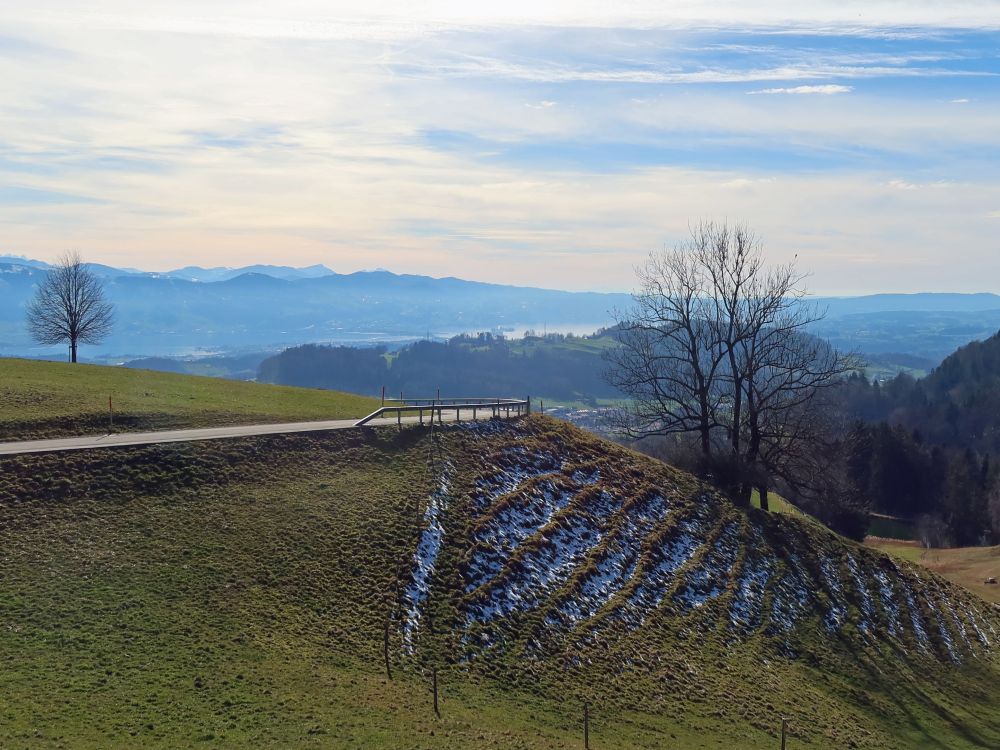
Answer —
668 359
70 306
718 344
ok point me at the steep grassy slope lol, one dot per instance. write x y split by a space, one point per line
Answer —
236 593
51 399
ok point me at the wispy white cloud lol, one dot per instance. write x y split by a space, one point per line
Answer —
307 139
824 89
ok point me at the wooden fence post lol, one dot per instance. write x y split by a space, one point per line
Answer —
385 650
434 678
784 725
586 726
111 414
383 395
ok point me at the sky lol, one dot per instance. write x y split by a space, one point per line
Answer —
537 143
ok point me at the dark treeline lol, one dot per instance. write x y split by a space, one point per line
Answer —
926 449
481 365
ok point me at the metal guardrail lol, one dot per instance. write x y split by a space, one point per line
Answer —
497 407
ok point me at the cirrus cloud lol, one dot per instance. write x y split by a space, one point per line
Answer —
825 89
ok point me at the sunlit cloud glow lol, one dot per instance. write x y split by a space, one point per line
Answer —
549 144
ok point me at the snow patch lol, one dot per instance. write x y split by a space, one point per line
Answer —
915 617
425 556
509 527
837 612
745 612
672 555
973 620
513 469
949 642
867 605
543 568
791 595
889 604
616 565
715 571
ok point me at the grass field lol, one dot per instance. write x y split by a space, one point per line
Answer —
234 594
966 566
52 399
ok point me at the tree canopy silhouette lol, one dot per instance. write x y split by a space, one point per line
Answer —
70 306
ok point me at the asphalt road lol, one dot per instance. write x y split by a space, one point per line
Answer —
88 442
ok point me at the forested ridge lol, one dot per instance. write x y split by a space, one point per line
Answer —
927 449
557 366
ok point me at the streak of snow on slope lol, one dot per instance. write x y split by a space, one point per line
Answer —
714 571
976 623
867 606
791 595
745 612
944 605
514 467
946 639
837 612
888 599
672 555
916 620
425 556
505 531
617 563
541 569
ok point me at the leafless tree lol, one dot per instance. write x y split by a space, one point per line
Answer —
718 344
70 306
668 359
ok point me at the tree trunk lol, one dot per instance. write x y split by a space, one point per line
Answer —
762 489
743 494
72 349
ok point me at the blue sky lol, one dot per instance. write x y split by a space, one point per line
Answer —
542 143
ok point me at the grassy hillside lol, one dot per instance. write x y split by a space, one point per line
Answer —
966 566
236 594
51 399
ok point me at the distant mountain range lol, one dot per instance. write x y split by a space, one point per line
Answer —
268 307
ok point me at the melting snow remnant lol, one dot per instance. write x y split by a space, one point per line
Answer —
867 607
673 554
516 466
915 618
548 564
946 638
970 615
944 604
837 613
748 600
791 595
426 555
888 599
617 562
513 523
710 578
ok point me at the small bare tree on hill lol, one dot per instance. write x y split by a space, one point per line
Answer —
70 306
